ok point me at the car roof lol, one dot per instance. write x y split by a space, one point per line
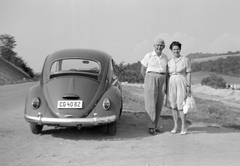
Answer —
100 56
97 55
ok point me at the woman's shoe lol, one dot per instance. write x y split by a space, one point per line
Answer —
184 132
152 131
174 131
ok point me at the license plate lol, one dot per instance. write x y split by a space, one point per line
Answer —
70 104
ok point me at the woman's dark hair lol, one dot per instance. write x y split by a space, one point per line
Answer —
175 43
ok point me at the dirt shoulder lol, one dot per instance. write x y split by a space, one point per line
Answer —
228 97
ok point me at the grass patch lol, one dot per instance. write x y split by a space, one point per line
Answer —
208 111
18 81
133 98
133 94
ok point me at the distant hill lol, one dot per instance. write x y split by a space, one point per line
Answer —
208 56
213 58
227 65
11 74
224 66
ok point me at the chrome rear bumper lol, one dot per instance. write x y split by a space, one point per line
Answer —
71 121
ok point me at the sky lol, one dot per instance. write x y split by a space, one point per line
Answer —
125 29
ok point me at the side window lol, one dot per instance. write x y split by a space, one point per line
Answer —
55 66
112 68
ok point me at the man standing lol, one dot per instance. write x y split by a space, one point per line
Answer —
153 69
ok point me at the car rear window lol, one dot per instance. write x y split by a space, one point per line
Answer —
76 66
79 65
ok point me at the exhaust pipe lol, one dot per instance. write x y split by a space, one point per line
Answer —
79 127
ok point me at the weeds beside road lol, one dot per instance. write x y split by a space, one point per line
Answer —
208 111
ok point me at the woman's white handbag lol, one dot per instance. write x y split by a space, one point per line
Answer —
189 105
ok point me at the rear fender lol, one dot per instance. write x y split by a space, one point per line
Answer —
35 92
115 97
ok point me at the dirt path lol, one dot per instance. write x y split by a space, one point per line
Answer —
132 145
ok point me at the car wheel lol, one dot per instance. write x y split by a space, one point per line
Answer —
121 110
35 128
120 114
112 128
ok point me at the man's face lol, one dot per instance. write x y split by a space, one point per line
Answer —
159 46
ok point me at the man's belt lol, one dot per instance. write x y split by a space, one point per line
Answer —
162 73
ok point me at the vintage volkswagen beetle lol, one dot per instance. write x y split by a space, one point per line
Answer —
77 88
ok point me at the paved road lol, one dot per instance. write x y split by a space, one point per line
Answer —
204 145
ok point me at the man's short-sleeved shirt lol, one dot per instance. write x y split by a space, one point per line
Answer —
155 63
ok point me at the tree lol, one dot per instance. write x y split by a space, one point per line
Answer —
129 72
213 80
7 41
7 44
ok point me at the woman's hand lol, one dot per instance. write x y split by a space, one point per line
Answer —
189 91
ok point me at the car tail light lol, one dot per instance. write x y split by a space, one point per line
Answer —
106 104
36 103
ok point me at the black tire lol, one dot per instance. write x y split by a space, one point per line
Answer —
121 110
35 128
112 128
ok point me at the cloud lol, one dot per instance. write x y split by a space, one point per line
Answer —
145 45
188 44
141 49
224 43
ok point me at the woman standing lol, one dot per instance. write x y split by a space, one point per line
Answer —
179 69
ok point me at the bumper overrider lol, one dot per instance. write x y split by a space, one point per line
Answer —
70 121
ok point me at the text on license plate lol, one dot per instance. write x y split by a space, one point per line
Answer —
70 104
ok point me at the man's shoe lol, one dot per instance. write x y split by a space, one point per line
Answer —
152 131
158 130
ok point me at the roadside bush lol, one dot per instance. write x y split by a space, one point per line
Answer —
213 80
